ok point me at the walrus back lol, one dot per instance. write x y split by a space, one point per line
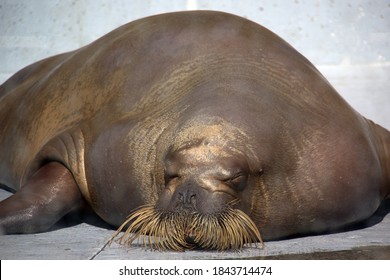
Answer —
114 76
18 102
381 140
37 104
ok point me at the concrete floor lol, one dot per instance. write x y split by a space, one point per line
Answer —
369 240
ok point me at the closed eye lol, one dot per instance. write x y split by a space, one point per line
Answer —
238 181
235 177
170 177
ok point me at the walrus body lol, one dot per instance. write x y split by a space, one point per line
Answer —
187 115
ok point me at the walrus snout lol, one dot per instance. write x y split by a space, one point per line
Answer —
191 196
185 198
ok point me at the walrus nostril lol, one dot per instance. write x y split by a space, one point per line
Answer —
185 198
189 197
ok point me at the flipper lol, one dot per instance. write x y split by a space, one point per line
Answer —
47 196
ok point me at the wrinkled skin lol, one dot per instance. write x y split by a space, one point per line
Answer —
188 112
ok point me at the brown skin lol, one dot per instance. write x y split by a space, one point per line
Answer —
190 112
51 183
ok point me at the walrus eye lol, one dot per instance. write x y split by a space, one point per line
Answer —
170 177
237 181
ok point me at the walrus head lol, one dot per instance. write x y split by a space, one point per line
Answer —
200 203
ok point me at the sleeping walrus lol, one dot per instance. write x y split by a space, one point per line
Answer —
206 128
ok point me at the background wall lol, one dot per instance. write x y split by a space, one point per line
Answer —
349 41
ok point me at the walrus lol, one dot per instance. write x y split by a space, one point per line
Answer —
192 129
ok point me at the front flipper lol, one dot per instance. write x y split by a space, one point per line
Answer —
47 196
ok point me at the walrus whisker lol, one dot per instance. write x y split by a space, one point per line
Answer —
252 230
233 224
229 229
136 217
237 239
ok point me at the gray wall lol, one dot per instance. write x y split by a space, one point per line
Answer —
349 41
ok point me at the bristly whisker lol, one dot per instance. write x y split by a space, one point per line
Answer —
229 229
